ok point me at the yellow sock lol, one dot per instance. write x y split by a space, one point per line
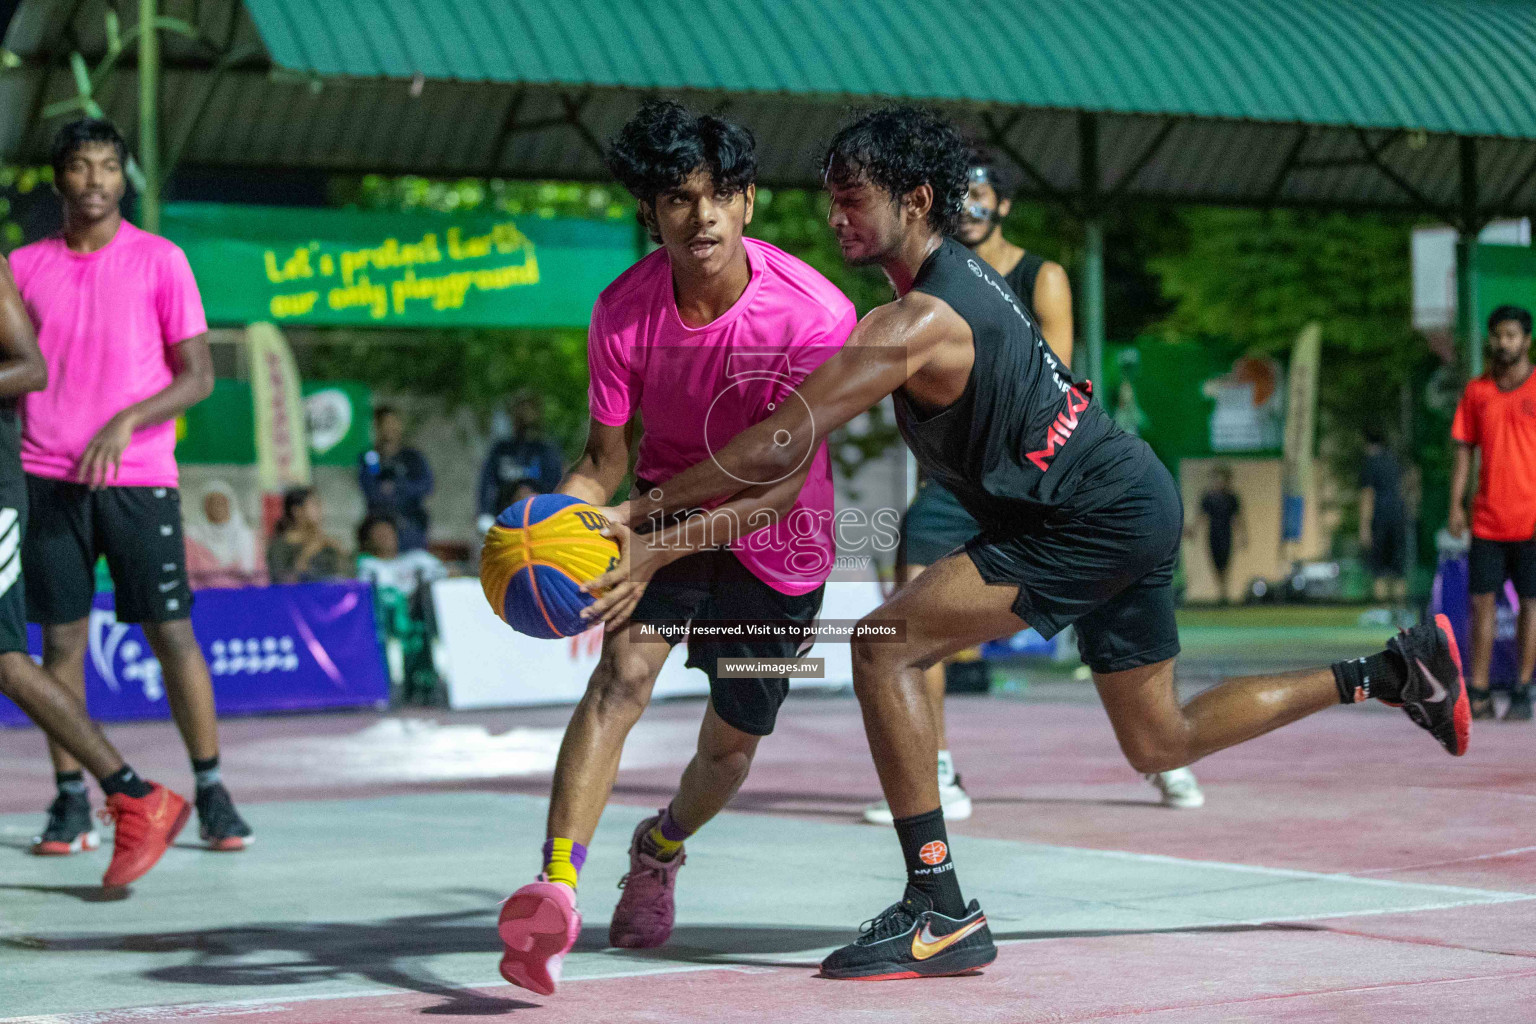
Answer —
563 859
659 846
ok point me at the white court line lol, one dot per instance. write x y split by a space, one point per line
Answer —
276 1004
1486 895
1517 851
1474 897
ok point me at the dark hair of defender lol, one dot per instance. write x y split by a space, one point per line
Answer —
899 148
1518 314
665 142
380 411
996 172
76 135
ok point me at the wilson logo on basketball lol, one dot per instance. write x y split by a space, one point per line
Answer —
933 853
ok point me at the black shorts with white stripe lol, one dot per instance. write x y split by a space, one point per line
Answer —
137 530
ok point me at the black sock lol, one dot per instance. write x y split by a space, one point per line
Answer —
127 782
205 771
70 783
930 869
1381 676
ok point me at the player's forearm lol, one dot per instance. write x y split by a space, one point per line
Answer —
751 510
751 455
22 368
593 481
193 383
1460 472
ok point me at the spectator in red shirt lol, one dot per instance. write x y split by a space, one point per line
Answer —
1497 416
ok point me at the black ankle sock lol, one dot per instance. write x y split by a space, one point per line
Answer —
930 869
1381 676
205 771
127 782
72 783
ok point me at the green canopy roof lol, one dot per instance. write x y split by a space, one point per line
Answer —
1463 67
1381 104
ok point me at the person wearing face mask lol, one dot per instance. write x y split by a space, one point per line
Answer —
1497 416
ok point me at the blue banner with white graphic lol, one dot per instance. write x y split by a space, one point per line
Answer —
269 649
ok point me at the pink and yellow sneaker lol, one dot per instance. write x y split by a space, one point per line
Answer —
538 925
643 918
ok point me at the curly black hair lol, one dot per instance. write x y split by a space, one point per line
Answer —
71 138
898 149
1518 314
665 142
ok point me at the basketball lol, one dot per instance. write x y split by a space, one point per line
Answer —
537 555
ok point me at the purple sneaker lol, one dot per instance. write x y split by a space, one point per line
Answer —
643 918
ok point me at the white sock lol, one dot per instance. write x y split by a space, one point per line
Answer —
946 769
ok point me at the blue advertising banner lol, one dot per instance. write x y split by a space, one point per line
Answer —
269 649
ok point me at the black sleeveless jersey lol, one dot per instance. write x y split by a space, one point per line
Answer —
1023 440
1022 280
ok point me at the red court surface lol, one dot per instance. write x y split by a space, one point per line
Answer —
1358 797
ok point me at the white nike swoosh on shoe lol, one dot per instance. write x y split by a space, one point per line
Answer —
1437 691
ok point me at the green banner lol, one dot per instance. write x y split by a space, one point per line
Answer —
340 418
221 429
355 268
1506 275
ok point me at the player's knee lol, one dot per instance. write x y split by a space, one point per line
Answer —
728 766
171 638
1153 753
66 642
621 687
871 660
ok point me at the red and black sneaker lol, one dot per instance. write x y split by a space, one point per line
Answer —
912 940
146 827
69 829
1435 693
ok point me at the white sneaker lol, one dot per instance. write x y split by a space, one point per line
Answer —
956 804
1179 788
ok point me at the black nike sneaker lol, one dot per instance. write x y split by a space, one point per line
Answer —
1482 706
912 940
1435 694
219 825
1519 709
69 829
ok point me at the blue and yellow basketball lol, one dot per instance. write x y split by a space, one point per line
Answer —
536 556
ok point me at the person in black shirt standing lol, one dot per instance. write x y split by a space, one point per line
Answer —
1223 514
1383 518
1040 284
525 458
396 479
1080 524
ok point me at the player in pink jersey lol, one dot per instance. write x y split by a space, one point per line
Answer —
120 325
700 339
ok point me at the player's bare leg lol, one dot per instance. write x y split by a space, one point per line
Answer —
1158 734
616 696
1483 617
64 649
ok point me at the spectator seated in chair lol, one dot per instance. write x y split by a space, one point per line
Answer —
222 549
402 602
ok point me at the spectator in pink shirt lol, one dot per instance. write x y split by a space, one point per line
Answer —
120 324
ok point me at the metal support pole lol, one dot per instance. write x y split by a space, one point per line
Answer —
1093 298
1093 246
149 114
1469 332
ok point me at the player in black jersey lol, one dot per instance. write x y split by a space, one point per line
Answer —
1080 524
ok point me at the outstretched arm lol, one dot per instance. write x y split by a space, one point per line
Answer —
889 346
21 364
